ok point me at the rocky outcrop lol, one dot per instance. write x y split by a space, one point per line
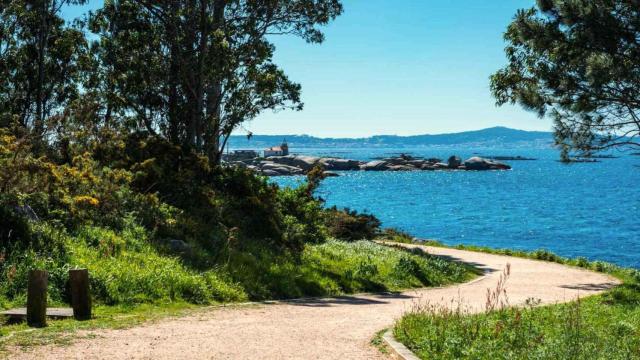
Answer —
454 162
281 169
178 246
336 164
478 163
301 164
402 168
270 173
27 212
375 165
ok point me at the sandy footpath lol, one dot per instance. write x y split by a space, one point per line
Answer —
332 328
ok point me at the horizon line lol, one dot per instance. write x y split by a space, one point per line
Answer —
396 135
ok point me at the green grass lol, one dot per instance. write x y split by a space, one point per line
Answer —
337 268
588 329
367 266
540 254
598 327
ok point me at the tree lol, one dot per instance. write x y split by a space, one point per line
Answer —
193 71
579 62
41 62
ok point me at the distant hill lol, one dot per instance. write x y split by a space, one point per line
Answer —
491 137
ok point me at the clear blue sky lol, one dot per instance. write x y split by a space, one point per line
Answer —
399 67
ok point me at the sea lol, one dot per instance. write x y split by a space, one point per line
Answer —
590 210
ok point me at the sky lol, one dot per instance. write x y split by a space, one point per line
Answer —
398 67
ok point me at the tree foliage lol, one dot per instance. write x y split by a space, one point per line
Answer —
579 62
41 64
194 71
123 114
190 72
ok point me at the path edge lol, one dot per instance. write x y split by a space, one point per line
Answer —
398 350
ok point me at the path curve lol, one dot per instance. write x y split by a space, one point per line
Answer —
332 328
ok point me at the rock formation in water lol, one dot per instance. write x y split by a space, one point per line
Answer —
301 164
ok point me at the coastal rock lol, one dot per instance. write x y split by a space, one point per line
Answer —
340 164
27 212
281 169
376 165
417 163
454 162
270 173
401 168
178 246
478 163
396 161
303 162
300 164
330 174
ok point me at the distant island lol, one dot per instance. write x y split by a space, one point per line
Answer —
485 138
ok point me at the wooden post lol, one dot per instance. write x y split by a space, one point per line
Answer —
37 298
80 297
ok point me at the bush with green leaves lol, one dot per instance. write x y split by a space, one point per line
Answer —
346 224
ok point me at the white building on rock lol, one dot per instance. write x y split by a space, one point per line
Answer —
282 150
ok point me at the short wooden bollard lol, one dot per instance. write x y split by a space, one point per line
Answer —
37 298
80 297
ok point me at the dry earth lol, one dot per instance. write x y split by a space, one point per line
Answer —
331 328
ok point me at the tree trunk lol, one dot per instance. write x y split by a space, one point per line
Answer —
202 56
42 36
174 69
214 95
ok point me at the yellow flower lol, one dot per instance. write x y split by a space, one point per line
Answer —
86 200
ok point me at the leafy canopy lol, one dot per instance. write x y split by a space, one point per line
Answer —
194 71
579 62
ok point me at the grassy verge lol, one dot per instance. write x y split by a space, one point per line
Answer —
603 326
113 317
540 254
156 286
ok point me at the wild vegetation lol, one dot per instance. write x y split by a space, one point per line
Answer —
606 325
111 129
240 237
592 328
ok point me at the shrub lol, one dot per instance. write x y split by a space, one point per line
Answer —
350 225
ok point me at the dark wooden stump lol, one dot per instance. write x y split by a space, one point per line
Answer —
37 298
80 297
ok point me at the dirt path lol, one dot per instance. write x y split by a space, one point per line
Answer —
333 328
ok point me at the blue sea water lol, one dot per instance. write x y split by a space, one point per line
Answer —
580 209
